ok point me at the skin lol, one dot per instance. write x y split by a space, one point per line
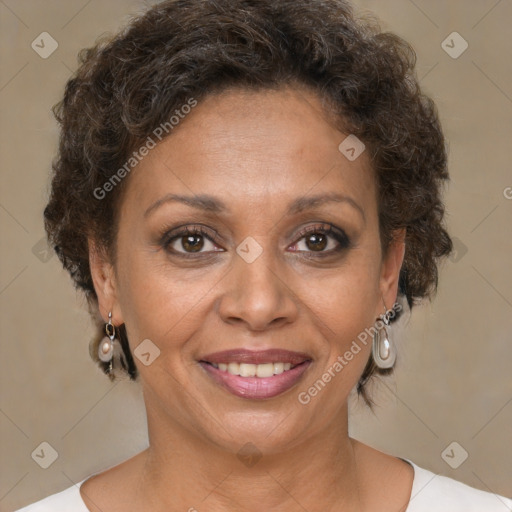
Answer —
257 152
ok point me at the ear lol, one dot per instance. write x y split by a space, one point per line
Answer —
390 268
103 277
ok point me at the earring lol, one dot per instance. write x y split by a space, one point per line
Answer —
106 347
383 350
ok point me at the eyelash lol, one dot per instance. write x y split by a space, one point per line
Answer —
326 229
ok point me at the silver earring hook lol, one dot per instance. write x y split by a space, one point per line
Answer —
110 329
387 313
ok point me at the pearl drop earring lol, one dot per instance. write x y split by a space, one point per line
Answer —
106 347
383 350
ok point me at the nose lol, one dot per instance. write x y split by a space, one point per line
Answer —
257 294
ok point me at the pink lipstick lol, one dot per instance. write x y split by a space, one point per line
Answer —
256 374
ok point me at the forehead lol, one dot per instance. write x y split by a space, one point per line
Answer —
255 148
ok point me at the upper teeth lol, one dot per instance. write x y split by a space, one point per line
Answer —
253 370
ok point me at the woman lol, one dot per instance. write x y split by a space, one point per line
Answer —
249 194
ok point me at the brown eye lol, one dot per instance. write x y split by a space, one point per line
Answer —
189 241
316 241
322 240
192 243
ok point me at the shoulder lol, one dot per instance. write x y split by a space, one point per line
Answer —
106 485
443 494
64 501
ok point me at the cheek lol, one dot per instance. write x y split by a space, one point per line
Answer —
349 295
346 315
159 303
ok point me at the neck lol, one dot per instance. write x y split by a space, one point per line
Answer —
188 472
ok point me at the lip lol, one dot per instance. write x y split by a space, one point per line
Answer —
274 355
256 388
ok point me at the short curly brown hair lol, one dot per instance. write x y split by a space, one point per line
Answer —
129 84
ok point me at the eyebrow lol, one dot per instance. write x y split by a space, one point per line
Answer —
212 204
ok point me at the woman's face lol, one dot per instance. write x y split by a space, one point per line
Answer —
283 255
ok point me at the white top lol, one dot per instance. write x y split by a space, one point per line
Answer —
429 492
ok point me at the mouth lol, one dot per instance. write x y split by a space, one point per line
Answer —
256 375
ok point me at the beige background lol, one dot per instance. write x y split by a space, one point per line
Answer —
453 382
